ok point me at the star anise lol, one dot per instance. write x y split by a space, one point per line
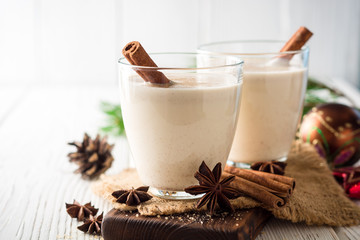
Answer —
81 212
133 196
92 225
274 167
93 156
216 191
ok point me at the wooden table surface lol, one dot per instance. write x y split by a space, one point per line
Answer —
35 124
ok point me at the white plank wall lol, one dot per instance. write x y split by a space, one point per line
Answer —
37 179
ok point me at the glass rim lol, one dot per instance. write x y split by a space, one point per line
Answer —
239 62
203 51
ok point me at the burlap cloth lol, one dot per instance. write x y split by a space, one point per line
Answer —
317 199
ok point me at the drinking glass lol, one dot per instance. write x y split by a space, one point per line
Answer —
172 128
272 98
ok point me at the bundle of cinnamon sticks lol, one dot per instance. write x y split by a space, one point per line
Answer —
270 189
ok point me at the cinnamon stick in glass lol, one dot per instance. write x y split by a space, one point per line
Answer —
300 37
136 55
297 40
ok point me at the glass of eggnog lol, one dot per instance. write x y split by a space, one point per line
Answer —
272 98
172 128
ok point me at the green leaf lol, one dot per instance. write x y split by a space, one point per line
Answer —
319 93
115 120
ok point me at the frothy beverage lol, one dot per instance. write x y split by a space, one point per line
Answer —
172 130
272 101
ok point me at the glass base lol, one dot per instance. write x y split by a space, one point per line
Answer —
173 195
248 165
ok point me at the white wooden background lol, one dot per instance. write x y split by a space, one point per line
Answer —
37 179
79 41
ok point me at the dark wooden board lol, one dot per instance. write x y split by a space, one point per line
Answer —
243 224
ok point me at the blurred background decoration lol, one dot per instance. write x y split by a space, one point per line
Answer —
79 42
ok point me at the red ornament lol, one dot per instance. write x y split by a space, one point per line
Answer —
334 130
349 178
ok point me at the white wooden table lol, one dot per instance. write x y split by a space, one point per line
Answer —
37 179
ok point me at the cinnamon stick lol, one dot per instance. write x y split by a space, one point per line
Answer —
136 55
300 37
270 189
279 182
269 197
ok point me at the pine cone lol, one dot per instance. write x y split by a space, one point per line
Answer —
93 156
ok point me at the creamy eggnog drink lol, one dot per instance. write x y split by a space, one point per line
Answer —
272 98
271 107
172 128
